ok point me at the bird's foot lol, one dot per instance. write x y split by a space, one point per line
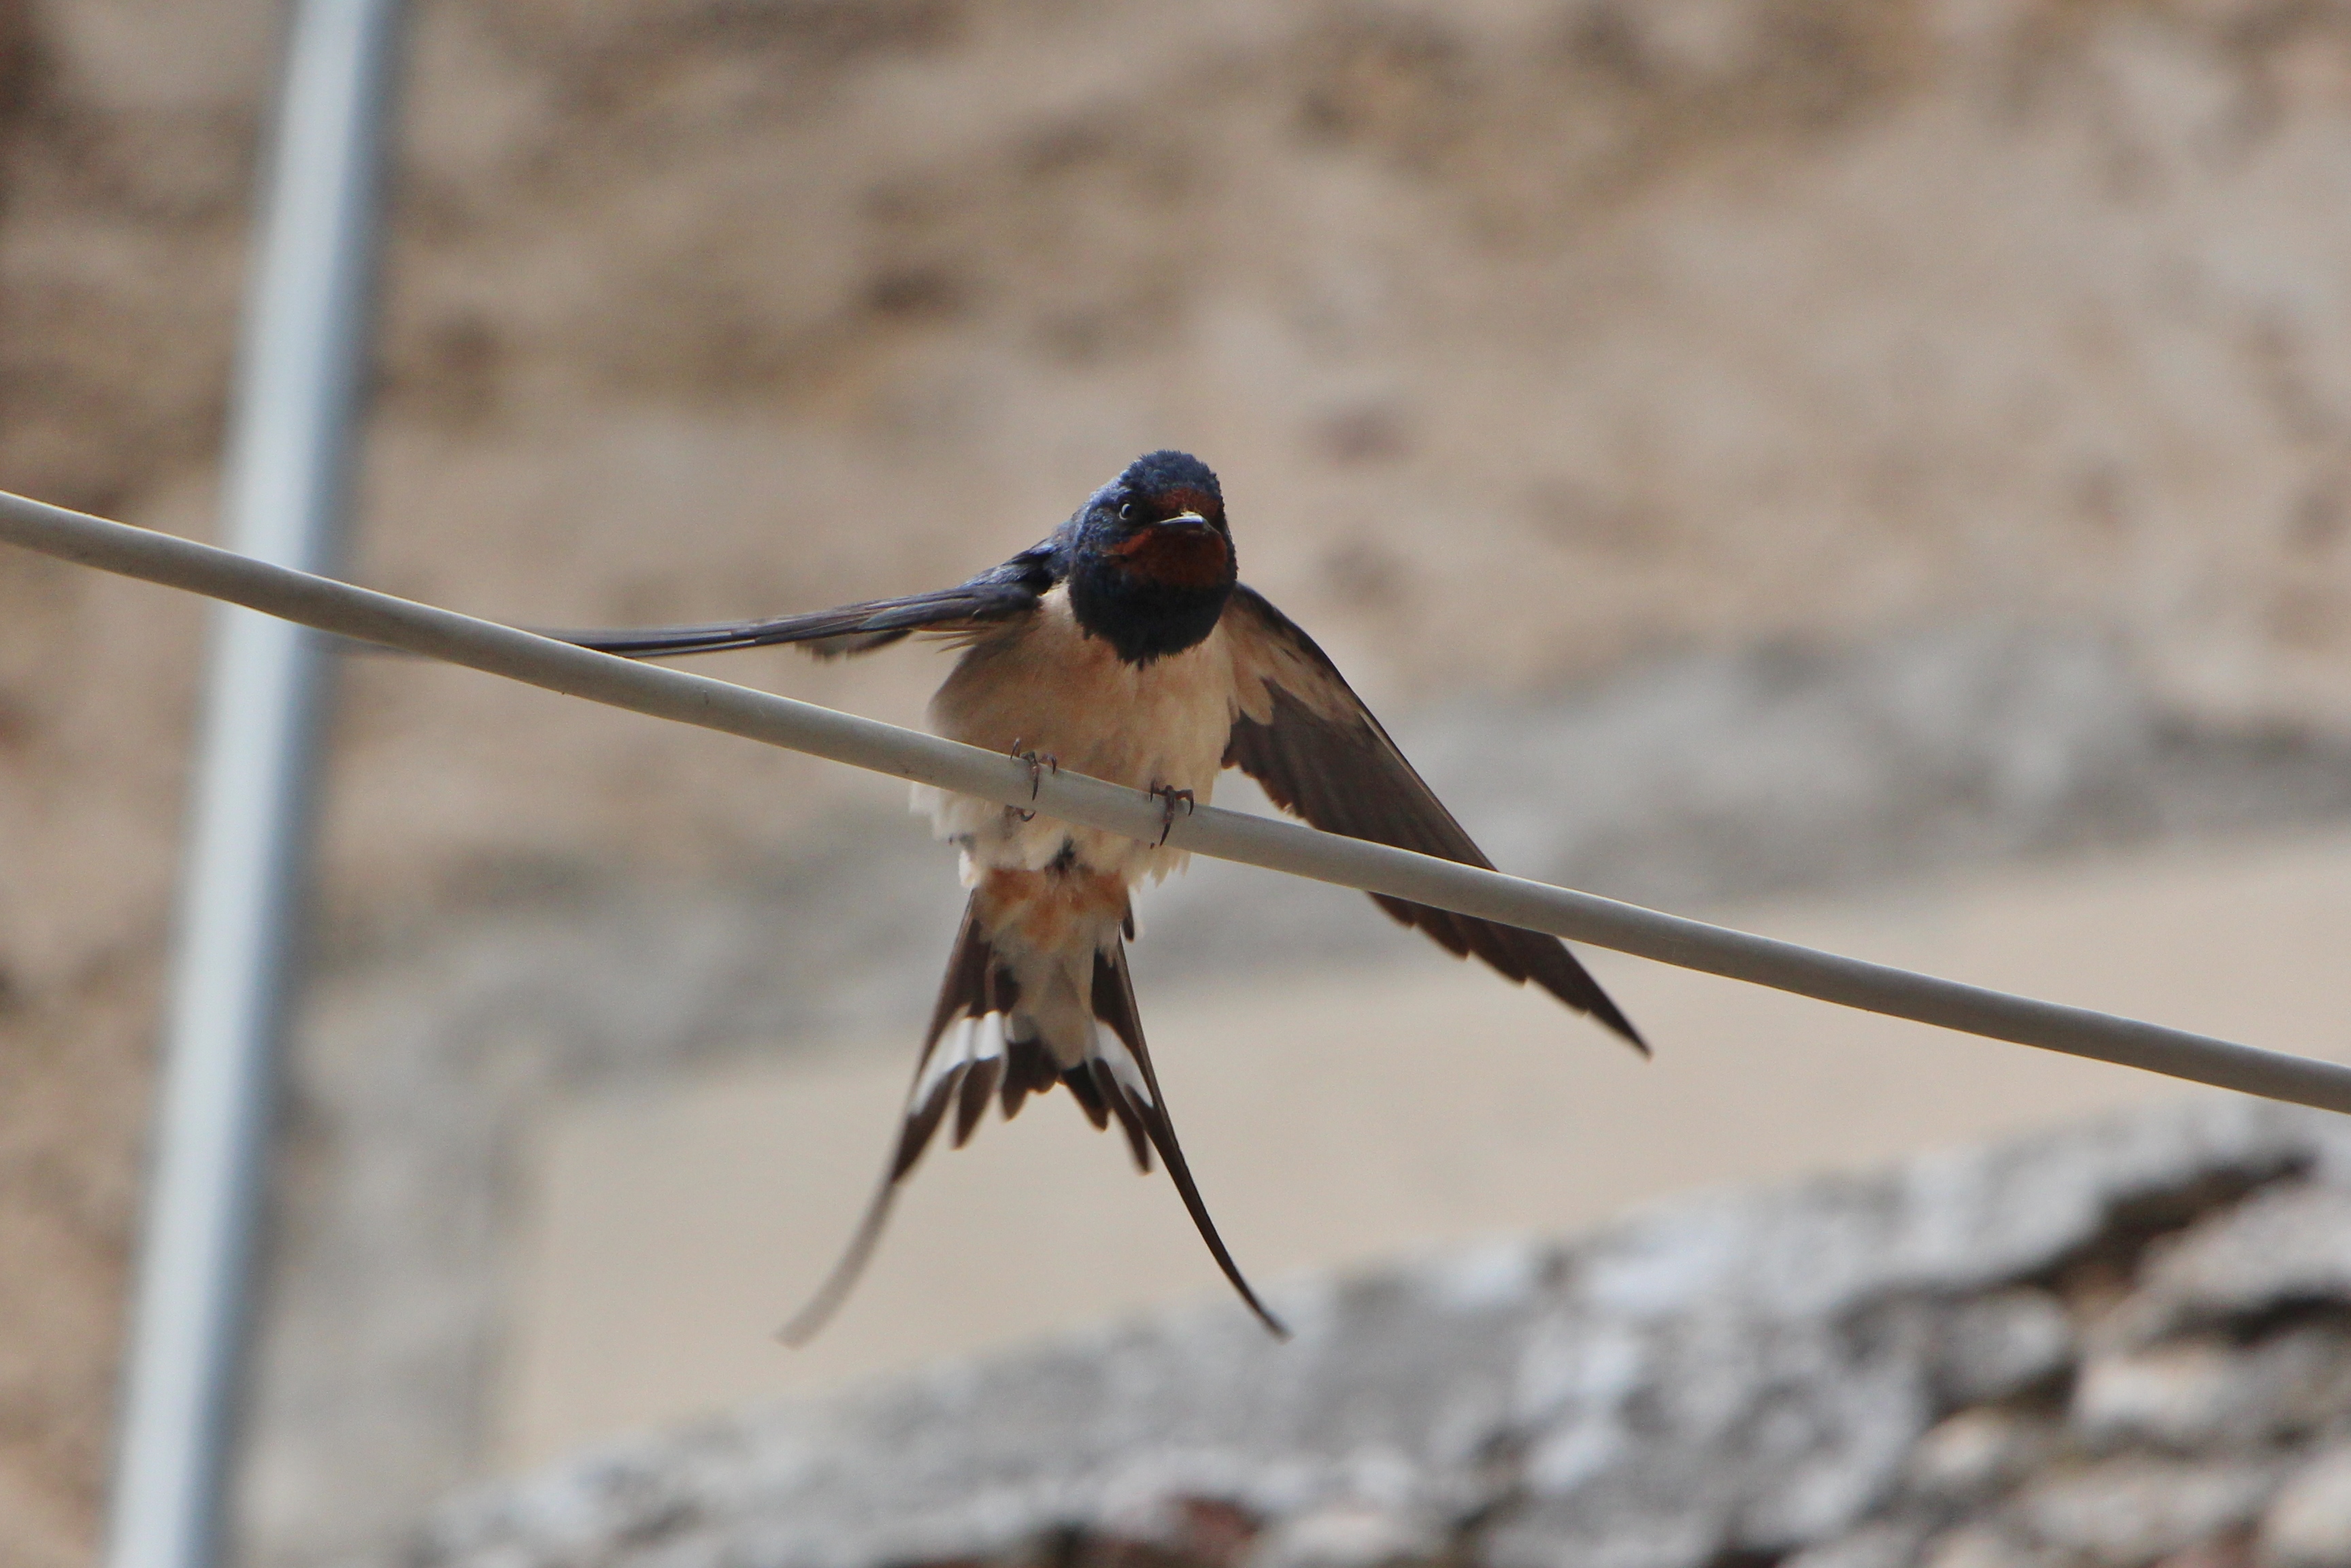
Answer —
1168 796
1038 765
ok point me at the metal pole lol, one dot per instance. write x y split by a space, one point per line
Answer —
299 376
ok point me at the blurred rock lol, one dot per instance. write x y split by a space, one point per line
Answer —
2127 1511
2277 1251
1758 1377
2309 1524
2202 1393
2233 1550
2001 1345
2180 1396
1979 1452
1871 1546
1979 1546
1350 1536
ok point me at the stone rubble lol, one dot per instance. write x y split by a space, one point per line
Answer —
2121 1346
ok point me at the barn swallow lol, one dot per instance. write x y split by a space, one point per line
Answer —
1125 647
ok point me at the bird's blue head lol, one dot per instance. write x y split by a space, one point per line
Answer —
1153 560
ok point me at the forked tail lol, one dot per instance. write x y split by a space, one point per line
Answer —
982 1047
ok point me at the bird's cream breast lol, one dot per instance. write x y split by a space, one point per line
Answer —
1045 687
1049 688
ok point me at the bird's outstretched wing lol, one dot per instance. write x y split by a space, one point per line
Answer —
1305 735
1002 594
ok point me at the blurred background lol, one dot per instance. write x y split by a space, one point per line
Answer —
1876 471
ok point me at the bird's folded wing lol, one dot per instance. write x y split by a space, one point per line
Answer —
1003 593
1305 735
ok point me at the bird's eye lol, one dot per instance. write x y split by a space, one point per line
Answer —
1126 512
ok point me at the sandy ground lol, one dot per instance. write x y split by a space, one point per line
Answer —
1345 1116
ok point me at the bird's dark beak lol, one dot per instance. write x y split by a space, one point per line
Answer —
1185 520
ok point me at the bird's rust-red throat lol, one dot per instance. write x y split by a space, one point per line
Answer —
1187 556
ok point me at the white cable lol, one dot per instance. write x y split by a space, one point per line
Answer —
1227 835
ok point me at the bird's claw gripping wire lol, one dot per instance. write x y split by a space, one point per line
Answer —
1168 796
1038 765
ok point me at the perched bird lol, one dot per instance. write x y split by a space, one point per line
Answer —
1124 647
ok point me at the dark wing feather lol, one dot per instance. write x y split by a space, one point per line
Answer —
1304 734
1002 594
